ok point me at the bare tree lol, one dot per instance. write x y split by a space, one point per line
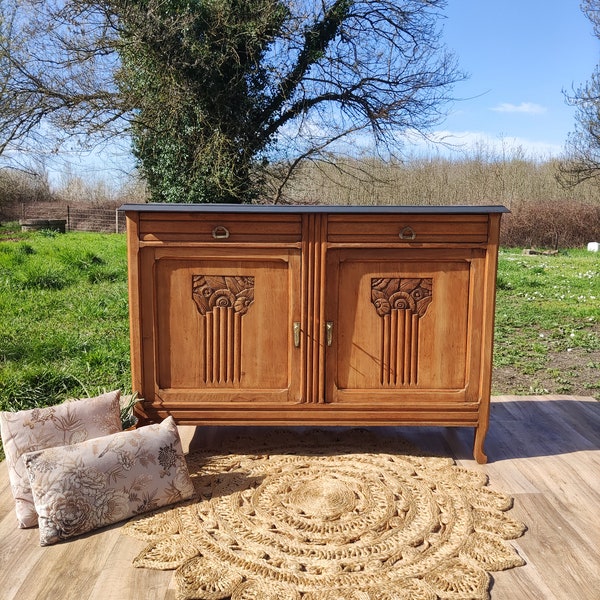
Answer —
57 76
583 145
221 96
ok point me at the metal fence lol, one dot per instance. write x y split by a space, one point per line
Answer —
78 216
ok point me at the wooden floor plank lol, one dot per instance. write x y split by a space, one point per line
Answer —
567 561
524 583
118 583
6 498
543 451
20 552
69 570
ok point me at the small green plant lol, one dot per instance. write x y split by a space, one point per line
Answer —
33 386
128 417
44 277
25 249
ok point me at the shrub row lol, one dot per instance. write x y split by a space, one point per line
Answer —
551 224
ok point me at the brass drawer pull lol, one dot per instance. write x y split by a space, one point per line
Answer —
296 334
220 232
407 233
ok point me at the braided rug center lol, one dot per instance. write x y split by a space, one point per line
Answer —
330 516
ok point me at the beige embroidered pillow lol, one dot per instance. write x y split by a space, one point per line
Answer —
98 482
39 428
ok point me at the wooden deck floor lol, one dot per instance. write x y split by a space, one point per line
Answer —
544 451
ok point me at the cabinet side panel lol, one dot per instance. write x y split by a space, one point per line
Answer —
491 269
133 269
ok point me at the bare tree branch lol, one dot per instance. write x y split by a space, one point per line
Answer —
583 146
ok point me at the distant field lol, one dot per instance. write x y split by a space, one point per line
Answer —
64 327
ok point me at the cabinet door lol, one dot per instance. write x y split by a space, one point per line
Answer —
403 324
222 330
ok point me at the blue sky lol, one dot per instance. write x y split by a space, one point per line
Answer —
520 55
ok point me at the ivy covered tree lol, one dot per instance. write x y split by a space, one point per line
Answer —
583 145
199 75
221 96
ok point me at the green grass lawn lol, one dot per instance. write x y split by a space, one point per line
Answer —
64 329
548 323
64 319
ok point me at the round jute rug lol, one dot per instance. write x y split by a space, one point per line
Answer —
331 516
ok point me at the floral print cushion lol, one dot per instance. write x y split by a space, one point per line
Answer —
98 482
40 428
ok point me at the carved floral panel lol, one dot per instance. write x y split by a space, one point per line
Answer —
400 302
222 300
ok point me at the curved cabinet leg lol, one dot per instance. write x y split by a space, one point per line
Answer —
478 453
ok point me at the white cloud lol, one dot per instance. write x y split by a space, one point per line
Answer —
451 144
529 108
478 143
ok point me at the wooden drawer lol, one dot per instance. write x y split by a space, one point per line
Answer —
220 228
407 229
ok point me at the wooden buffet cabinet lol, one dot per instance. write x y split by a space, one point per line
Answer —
322 315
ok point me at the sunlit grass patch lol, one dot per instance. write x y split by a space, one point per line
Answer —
546 305
64 329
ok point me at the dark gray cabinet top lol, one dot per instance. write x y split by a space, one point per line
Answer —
295 209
